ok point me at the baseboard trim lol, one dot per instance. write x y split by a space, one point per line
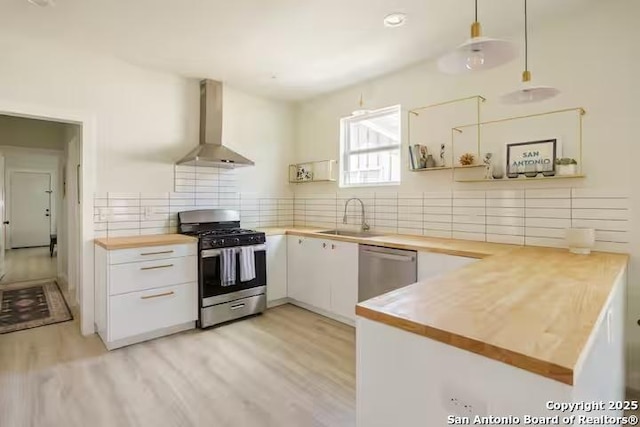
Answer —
112 345
277 302
322 312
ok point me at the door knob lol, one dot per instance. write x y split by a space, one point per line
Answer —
46 214
6 222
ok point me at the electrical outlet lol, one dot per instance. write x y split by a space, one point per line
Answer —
103 214
148 211
463 404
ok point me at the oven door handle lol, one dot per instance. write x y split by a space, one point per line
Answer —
210 253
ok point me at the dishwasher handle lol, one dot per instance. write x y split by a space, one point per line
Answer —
390 257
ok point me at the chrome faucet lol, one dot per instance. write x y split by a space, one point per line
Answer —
364 226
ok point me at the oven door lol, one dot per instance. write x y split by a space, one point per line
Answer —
211 290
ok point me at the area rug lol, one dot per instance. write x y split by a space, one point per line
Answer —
30 305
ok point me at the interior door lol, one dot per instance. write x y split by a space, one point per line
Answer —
30 209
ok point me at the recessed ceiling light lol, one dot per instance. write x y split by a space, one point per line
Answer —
41 3
396 19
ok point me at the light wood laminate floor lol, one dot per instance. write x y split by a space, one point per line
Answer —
287 367
28 264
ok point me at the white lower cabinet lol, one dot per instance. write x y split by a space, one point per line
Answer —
144 293
276 268
323 275
432 264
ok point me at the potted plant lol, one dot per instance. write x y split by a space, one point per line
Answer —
566 166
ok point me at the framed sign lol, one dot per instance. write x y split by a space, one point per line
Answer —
538 156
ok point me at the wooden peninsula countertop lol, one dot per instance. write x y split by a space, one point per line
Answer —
128 242
530 307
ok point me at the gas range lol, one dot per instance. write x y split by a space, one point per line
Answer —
221 240
229 237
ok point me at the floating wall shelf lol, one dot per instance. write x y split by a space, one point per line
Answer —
521 178
442 168
318 171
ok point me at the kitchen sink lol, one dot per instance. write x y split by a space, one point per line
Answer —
348 233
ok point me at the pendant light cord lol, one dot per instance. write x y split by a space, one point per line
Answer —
476 11
526 38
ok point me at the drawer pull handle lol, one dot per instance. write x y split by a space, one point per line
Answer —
165 294
156 266
156 253
237 306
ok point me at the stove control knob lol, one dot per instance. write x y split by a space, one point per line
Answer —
221 241
236 241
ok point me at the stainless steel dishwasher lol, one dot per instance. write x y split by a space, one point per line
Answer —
381 270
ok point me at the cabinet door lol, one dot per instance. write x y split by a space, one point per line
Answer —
433 264
296 265
344 278
309 271
276 267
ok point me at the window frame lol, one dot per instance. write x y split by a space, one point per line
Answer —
345 154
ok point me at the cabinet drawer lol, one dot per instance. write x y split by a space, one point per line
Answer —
138 276
140 312
151 253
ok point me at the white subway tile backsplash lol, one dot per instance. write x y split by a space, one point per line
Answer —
557 233
598 224
535 217
606 214
547 213
505 194
548 222
123 202
444 234
543 241
505 220
481 237
554 193
466 227
505 239
548 203
514 212
505 203
598 203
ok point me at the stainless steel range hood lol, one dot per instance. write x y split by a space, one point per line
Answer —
210 152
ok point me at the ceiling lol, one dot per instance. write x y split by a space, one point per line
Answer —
286 49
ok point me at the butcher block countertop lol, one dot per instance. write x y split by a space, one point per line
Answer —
465 248
110 243
530 307
533 308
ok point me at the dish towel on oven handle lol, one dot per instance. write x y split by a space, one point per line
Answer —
247 264
228 266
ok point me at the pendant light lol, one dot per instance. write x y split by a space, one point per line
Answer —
361 110
528 93
478 53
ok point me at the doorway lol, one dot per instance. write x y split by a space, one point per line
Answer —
82 179
40 227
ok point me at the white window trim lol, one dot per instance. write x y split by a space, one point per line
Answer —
344 155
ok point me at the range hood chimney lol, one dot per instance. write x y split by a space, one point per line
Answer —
210 152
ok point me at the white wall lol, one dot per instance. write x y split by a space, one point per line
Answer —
588 57
145 119
30 133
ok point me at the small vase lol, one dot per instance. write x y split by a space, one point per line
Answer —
567 170
431 163
498 172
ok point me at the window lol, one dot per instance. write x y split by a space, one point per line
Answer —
370 148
